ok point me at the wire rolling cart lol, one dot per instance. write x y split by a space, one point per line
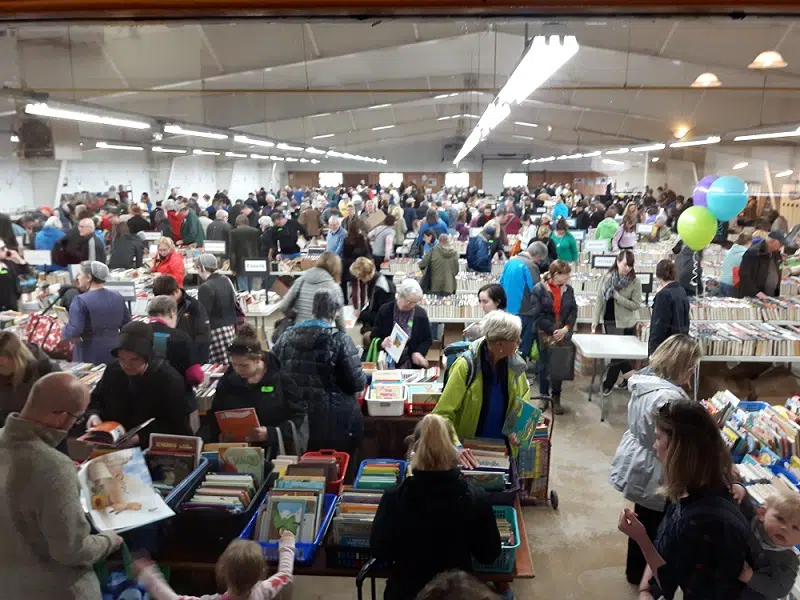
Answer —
535 461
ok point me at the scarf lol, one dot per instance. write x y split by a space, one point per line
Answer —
615 283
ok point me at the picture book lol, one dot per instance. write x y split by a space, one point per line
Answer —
298 482
397 343
117 492
236 424
111 433
522 422
171 458
281 463
328 463
248 460
284 514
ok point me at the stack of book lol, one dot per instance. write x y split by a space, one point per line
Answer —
454 306
226 492
779 309
352 525
751 472
747 339
723 309
759 492
88 373
490 454
294 504
507 537
171 459
378 475
467 281
721 406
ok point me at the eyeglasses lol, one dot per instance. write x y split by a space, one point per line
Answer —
78 418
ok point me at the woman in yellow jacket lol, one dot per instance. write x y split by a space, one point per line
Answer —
485 383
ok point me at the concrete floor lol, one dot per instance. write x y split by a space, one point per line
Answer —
577 551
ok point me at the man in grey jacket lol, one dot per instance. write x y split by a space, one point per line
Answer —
47 551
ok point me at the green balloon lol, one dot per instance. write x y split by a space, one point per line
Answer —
697 226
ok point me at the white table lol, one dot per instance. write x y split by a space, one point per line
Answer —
608 347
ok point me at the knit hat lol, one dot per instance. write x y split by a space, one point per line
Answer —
96 269
208 261
777 235
136 337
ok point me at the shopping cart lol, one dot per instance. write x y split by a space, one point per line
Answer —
533 466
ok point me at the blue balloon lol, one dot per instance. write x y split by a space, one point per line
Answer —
727 197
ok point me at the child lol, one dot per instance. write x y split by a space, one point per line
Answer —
456 585
241 567
776 526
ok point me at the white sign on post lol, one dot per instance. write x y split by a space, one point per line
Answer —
151 236
255 266
578 234
644 228
38 257
596 246
570 223
214 247
126 289
541 210
603 262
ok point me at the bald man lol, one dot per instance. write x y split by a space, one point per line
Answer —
83 244
46 548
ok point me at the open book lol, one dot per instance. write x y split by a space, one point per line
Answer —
111 434
117 492
234 425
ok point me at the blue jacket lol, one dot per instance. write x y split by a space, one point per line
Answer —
560 210
517 281
45 240
478 255
441 228
335 241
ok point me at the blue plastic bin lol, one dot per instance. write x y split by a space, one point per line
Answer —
381 461
753 406
303 553
508 554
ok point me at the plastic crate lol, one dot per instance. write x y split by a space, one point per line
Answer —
346 557
508 554
780 469
303 553
380 461
343 460
385 407
507 496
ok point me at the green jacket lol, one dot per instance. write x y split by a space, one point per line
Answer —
192 230
566 247
462 407
443 263
606 230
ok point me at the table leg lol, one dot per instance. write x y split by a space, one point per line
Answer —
594 374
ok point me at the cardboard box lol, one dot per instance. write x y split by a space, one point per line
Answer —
775 386
715 377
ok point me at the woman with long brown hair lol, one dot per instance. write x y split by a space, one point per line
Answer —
21 365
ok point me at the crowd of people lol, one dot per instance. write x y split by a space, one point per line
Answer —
692 527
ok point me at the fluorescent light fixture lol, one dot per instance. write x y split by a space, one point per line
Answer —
277 158
523 137
768 60
382 127
285 146
524 124
303 160
323 136
243 139
592 154
714 139
444 118
108 146
578 155
784 173
440 96
205 152
767 136
468 116
312 150
262 157
548 159
706 80
14 138
290 159
168 150
655 160
314 161
43 110
319 115
618 151
740 165
235 155
178 130
562 157
649 148
541 60
379 106
611 161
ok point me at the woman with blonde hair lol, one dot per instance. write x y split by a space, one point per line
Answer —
635 470
435 503
298 302
21 365
380 289
168 260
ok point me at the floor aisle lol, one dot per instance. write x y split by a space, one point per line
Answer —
577 552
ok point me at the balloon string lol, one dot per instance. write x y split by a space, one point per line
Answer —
694 275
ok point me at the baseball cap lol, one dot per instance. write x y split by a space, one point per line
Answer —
208 261
777 235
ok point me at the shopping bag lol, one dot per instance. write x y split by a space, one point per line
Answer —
373 350
561 361
534 354
38 328
122 584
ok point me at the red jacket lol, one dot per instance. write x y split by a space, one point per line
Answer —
172 265
175 222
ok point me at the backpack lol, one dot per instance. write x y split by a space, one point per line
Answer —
453 352
160 341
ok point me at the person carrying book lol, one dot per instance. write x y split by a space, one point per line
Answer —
485 383
436 504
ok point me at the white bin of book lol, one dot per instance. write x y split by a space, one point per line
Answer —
385 400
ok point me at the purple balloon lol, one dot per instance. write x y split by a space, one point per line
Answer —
699 197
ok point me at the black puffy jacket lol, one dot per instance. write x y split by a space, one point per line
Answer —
326 367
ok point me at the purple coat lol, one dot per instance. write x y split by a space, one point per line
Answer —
95 317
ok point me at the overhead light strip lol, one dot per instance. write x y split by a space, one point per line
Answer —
709 140
168 150
108 146
178 130
243 139
41 109
767 136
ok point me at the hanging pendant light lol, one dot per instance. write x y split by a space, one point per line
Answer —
706 80
769 59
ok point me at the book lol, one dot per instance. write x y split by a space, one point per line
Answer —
248 460
235 425
223 492
397 343
111 433
172 458
284 514
522 422
117 492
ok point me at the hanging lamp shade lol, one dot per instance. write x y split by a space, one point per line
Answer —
769 59
706 80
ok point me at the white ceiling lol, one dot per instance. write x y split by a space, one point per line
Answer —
254 77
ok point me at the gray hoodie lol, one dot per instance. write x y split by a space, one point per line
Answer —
635 470
300 296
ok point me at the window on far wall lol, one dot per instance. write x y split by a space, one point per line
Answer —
387 179
459 180
330 179
515 179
